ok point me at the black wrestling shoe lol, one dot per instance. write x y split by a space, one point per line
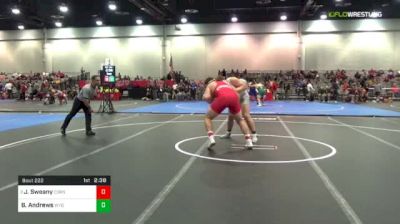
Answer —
90 133
63 132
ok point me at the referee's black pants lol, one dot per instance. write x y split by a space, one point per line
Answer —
76 106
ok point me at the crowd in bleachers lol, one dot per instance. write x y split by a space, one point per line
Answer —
326 86
46 87
183 89
339 85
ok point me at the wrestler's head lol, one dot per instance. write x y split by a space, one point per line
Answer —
220 77
208 80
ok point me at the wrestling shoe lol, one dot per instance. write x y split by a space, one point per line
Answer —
254 138
249 144
226 135
211 143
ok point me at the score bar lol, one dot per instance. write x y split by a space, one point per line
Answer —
64 194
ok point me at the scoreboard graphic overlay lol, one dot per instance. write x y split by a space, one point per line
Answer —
64 194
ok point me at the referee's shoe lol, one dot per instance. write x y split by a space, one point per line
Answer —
88 133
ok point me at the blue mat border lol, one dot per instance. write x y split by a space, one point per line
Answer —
349 113
274 114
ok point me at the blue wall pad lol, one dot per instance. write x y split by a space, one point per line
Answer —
13 121
274 108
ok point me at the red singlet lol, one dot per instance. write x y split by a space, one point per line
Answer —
225 97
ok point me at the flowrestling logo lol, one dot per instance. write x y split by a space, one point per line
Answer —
355 14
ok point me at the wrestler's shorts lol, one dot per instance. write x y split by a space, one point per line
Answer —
228 101
244 98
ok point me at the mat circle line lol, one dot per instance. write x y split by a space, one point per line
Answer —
332 153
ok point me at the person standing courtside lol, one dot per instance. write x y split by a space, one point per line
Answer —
82 101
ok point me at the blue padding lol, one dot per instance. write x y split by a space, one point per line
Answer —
13 121
275 108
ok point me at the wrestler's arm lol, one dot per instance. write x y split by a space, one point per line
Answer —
207 96
239 86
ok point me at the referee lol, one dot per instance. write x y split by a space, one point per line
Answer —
82 101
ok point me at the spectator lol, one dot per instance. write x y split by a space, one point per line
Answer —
395 90
9 88
193 88
310 91
23 89
377 91
335 90
149 94
287 89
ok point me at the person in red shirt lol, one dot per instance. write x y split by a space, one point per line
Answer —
220 94
395 89
345 87
62 97
273 87
23 90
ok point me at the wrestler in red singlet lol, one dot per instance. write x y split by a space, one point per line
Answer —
225 96
222 95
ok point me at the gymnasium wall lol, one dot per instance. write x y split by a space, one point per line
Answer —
21 56
130 55
360 44
199 50
200 56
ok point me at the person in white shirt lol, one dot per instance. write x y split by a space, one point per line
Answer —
310 91
174 90
8 87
